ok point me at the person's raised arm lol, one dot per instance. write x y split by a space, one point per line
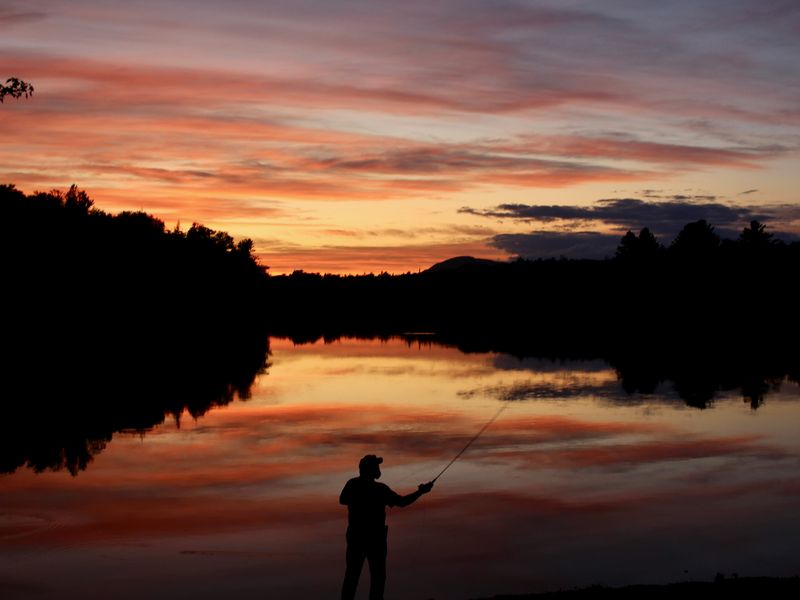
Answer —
423 488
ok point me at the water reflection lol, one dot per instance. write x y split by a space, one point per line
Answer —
65 419
61 415
694 373
576 484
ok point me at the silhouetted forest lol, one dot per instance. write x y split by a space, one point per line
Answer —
700 288
110 323
704 313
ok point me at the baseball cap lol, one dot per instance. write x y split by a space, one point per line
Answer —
370 459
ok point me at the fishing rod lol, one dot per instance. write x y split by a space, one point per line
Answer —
469 443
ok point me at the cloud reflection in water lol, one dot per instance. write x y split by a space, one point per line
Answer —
567 489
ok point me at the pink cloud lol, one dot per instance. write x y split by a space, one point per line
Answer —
649 152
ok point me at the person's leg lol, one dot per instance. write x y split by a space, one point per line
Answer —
356 553
376 555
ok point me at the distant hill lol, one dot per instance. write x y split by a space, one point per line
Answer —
462 262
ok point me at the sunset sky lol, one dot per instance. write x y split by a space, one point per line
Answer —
357 136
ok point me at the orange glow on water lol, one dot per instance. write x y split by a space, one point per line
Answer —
258 480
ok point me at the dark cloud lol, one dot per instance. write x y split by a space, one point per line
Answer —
676 197
551 244
782 212
685 197
664 218
532 212
667 217
630 213
744 193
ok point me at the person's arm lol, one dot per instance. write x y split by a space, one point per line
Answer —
423 488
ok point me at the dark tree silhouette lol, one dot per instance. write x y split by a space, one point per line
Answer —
628 246
756 242
111 323
648 242
755 234
643 248
15 88
696 241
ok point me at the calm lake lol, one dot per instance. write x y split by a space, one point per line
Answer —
576 483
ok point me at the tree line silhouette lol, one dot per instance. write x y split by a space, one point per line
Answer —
699 287
111 323
705 313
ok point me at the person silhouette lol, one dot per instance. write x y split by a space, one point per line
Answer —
366 502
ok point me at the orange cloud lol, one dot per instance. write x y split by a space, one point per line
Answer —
160 128
213 144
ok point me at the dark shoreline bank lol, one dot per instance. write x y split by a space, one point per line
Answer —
758 587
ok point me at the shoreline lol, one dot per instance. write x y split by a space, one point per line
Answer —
721 587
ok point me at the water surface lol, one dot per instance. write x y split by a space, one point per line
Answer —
576 483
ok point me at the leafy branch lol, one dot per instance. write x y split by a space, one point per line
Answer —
15 88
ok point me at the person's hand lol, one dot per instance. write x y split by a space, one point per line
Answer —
425 487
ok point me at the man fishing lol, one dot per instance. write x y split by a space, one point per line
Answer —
366 502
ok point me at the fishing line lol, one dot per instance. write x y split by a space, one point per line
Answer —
469 443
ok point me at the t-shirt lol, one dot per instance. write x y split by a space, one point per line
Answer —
366 501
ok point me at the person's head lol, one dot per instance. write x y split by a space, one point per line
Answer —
369 466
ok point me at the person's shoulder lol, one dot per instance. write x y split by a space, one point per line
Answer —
388 495
385 489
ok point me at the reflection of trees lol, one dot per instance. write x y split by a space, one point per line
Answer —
63 408
696 377
112 323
